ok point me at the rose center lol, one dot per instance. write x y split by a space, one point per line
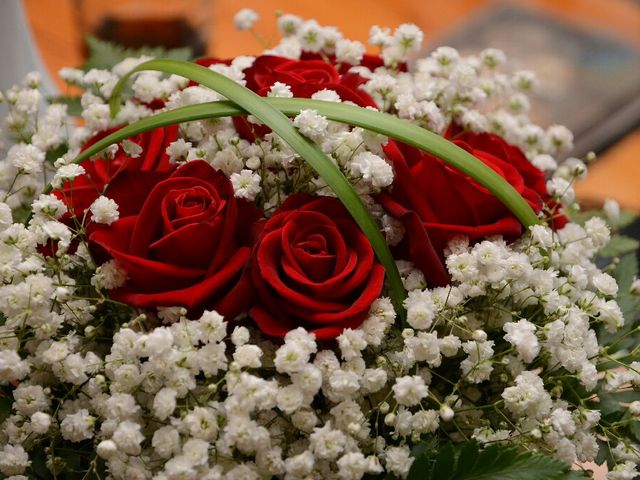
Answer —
192 202
314 245
315 256
192 205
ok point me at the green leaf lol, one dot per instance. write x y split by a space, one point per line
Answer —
497 462
445 463
104 55
619 245
74 107
604 453
634 427
6 400
627 217
610 401
625 272
469 455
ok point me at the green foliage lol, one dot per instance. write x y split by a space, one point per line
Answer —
6 400
620 245
626 217
74 107
105 55
624 340
467 461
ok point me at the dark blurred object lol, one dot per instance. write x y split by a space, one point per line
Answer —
589 79
168 24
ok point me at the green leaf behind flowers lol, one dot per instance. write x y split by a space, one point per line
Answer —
625 219
623 341
105 55
467 461
74 107
619 245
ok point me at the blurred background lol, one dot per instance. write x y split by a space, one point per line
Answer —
586 53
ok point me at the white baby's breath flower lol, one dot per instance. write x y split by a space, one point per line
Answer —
311 36
399 460
72 76
109 275
371 168
409 390
409 36
245 19
350 52
132 149
561 189
311 124
14 460
420 309
492 57
280 90
40 422
246 184
104 210
128 437
227 161
248 356
605 283
77 426
289 24
611 210
164 403
521 334
26 158
67 173
178 150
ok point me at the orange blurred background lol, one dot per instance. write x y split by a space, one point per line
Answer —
615 175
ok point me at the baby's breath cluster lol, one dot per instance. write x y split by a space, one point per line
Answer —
512 351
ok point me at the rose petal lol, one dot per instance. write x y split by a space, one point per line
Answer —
145 274
200 294
193 245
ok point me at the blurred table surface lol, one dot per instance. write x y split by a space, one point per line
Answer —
616 174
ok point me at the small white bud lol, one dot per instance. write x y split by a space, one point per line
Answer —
446 413
107 449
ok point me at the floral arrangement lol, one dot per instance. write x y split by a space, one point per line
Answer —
393 282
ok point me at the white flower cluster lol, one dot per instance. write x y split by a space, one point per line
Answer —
32 131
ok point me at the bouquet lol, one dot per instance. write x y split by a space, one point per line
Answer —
313 263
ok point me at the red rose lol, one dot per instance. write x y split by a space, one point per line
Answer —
305 77
183 241
436 202
313 267
80 194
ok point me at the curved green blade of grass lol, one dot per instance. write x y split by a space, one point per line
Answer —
305 148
